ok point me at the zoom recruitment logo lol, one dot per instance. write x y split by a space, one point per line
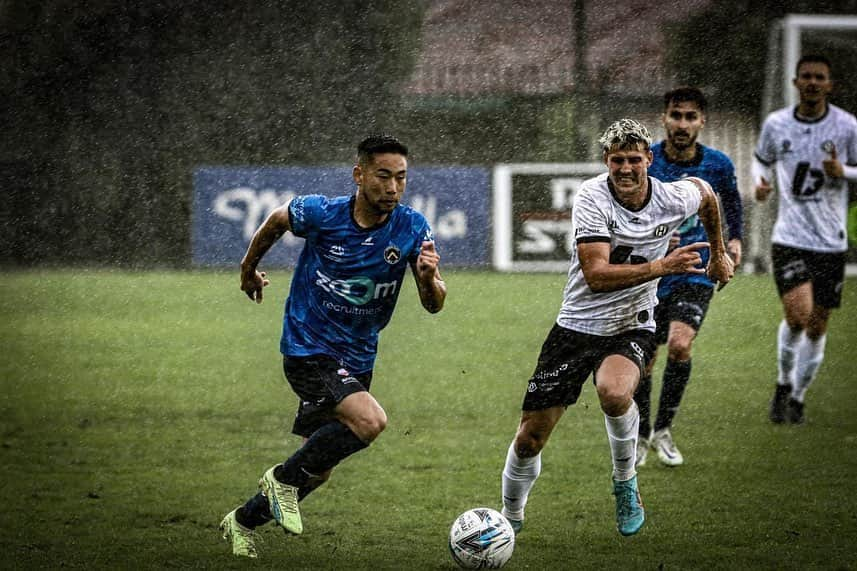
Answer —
359 290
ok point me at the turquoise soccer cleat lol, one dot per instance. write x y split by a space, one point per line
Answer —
630 515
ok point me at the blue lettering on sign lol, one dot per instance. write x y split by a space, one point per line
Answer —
230 203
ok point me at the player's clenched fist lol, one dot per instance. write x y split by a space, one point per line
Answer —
832 166
428 260
721 270
763 189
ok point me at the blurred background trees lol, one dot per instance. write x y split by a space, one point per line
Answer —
108 106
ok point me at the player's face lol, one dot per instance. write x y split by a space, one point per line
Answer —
682 122
813 82
381 181
628 169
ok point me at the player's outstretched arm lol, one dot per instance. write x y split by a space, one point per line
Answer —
430 284
271 230
720 267
602 276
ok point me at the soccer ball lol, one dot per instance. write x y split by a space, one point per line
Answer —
481 538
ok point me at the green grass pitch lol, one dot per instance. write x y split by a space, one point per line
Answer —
138 408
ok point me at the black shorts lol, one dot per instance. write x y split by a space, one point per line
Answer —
321 383
826 271
569 357
687 303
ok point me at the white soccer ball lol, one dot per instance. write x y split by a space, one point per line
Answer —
481 538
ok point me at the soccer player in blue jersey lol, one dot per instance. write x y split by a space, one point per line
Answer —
343 292
683 298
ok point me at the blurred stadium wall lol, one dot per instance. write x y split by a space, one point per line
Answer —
109 106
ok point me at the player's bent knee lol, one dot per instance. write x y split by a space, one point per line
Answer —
529 444
369 427
614 398
363 415
612 393
679 350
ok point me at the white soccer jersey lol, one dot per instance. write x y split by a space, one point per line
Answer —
635 237
812 207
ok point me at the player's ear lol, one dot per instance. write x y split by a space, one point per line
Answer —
650 157
604 158
357 174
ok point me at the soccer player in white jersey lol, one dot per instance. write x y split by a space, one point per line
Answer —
814 149
622 222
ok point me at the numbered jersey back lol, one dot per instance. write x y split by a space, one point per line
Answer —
812 207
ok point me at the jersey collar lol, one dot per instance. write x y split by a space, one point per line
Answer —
386 221
800 119
622 204
693 162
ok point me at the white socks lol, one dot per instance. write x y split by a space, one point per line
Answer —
798 359
787 344
622 434
519 475
810 354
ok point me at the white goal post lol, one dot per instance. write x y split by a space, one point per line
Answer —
793 28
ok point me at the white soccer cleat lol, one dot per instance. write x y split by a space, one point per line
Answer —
643 445
662 441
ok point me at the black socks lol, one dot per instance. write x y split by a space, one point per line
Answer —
676 377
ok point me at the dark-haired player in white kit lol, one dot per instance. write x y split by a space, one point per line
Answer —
622 223
808 144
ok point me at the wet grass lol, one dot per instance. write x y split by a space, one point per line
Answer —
137 408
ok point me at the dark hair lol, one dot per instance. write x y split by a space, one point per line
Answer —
686 94
375 144
813 58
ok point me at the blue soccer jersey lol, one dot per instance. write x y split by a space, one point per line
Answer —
717 169
347 279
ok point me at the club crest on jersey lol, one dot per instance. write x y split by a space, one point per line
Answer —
392 254
786 146
828 146
661 230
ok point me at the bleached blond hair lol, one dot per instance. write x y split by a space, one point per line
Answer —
625 134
